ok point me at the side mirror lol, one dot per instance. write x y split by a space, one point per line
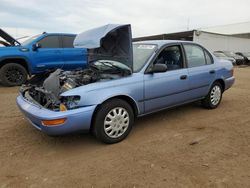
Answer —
36 46
157 68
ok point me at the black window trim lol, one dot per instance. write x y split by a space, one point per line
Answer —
210 56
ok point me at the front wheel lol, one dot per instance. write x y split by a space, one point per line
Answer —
13 74
214 96
113 121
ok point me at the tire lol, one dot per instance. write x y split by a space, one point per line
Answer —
113 121
214 96
13 74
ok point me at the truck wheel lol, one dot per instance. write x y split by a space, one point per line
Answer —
13 74
214 96
113 121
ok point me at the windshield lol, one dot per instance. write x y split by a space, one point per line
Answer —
30 39
141 54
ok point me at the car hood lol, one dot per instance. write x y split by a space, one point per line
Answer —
110 42
8 38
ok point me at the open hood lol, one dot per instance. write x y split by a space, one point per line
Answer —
9 39
109 42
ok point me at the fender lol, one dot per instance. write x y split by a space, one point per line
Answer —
135 104
27 61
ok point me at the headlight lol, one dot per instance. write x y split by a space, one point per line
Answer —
69 102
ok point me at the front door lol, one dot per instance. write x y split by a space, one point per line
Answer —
162 90
49 55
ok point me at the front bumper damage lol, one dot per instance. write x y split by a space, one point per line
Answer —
77 120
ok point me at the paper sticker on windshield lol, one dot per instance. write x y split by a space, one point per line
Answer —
146 46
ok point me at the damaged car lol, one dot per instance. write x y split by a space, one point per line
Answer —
122 81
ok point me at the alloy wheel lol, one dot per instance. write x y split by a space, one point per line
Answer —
14 75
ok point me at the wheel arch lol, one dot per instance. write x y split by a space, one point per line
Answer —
126 98
18 60
222 82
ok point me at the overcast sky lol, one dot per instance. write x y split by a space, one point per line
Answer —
147 17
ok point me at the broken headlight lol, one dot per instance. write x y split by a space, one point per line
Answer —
69 102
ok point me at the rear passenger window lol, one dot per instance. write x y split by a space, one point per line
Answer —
50 42
195 55
68 41
209 59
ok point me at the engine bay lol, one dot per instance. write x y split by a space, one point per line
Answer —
45 89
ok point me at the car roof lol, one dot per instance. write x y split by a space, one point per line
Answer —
161 43
69 34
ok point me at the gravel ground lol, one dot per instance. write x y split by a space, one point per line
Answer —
184 147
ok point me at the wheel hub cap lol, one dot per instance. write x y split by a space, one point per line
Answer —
116 122
215 95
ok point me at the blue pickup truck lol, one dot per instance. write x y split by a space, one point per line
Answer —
37 54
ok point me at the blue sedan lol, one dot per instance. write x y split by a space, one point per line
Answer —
135 80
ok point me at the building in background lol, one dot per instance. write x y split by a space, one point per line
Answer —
233 37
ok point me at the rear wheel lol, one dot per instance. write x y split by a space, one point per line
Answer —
13 74
113 121
214 96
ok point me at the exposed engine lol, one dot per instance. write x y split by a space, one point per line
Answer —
44 90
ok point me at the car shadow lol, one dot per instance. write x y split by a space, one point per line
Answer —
87 139
168 113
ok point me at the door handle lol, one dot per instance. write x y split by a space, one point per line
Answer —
183 77
212 71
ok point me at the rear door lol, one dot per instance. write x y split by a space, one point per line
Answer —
201 70
49 55
73 57
169 88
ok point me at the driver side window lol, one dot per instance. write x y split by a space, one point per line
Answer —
50 42
172 57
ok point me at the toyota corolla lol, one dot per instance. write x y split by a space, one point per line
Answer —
123 81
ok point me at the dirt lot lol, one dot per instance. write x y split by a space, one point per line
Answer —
157 153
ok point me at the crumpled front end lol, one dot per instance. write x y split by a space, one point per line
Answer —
56 123
46 110
45 90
